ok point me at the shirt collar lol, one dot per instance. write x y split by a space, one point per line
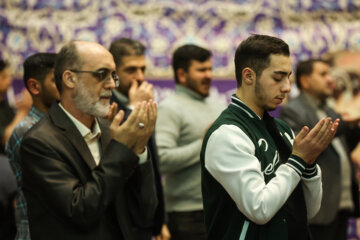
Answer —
84 131
184 90
235 101
35 112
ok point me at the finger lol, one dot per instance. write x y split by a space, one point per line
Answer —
132 119
325 134
142 116
112 111
303 133
323 129
153 113
144 85
150 116
149 87
315 130
330 133
334 128
134 86
117 119
335 125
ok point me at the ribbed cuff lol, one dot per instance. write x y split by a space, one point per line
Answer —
297 164
310 171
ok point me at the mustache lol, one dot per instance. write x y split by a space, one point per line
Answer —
107 93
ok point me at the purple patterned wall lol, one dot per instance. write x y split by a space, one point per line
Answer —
311 27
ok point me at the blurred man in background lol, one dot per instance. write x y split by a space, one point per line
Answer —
340 190
40 82
129 57
183 119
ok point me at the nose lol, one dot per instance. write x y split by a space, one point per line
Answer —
140 76
285 88
110 83
329 79
208 73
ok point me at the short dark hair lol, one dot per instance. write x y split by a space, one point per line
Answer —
306 68
254 52
37 66
3 65
124 47
66 59
183 55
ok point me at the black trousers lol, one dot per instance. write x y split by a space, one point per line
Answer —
336 230
187 225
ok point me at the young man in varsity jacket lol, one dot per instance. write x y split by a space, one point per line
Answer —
259 181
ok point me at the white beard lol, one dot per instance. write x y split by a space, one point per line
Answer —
85 101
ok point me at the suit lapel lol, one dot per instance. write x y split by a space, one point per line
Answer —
62 121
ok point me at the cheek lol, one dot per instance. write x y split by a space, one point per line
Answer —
4 84
201 75
51 87
125 79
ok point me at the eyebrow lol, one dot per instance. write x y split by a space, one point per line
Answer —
283 73
105 68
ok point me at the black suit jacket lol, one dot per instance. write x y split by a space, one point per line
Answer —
159 218
69 197
298 113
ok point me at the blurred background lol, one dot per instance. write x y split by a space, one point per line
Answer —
312 28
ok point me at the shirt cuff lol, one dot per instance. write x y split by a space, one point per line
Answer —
297 164
131 107
310 171
143 156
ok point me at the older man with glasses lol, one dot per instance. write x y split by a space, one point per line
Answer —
86 177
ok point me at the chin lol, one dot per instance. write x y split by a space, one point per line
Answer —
204 94
100 109
269 108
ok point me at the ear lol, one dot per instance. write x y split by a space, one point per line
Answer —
34 86
248 76
181 75
69 79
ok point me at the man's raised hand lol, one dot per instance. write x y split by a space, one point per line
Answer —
309 144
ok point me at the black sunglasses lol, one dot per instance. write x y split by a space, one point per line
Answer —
102 74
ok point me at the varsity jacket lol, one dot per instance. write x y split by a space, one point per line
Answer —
245 184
